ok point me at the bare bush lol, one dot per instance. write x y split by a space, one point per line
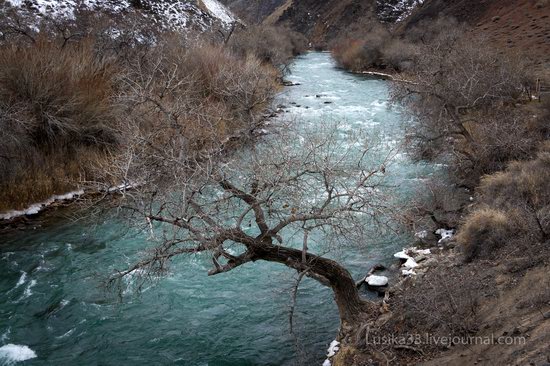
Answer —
60 94
55 102
360 53
82 91
273 45
400 55
203 93
456 89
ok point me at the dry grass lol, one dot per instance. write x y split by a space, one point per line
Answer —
513 210
50 173
66 107
484 231
59 94
56 111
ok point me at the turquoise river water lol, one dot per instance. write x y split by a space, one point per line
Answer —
51 295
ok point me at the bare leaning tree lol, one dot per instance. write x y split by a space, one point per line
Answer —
252 205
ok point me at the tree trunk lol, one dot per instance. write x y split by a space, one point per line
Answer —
328 272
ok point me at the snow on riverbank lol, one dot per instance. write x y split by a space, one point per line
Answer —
219 11
333 348
37 207
410 256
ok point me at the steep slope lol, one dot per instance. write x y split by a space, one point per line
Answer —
521 26
322 21
166 14
253 11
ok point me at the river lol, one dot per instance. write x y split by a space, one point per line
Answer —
52 300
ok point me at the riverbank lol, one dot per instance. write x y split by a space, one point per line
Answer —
456 313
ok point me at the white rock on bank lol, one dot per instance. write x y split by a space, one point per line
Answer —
376 281
327 363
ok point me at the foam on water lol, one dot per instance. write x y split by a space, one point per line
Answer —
28 291
12 353
21 280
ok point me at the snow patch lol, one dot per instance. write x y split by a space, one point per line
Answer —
219 11
376 281
445 234
402 255
37 207
333 348
421 234
410 264
165 14
408 256
11 353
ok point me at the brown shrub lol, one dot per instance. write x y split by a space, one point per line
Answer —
270 44
484 231
357 54
501 136
514 209
58 94
61 103
399 54
191 101
55 102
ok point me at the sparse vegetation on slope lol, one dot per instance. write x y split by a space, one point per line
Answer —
71 94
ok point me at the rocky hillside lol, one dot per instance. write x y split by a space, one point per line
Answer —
522 26
199 15
519 25
322 21
253 11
